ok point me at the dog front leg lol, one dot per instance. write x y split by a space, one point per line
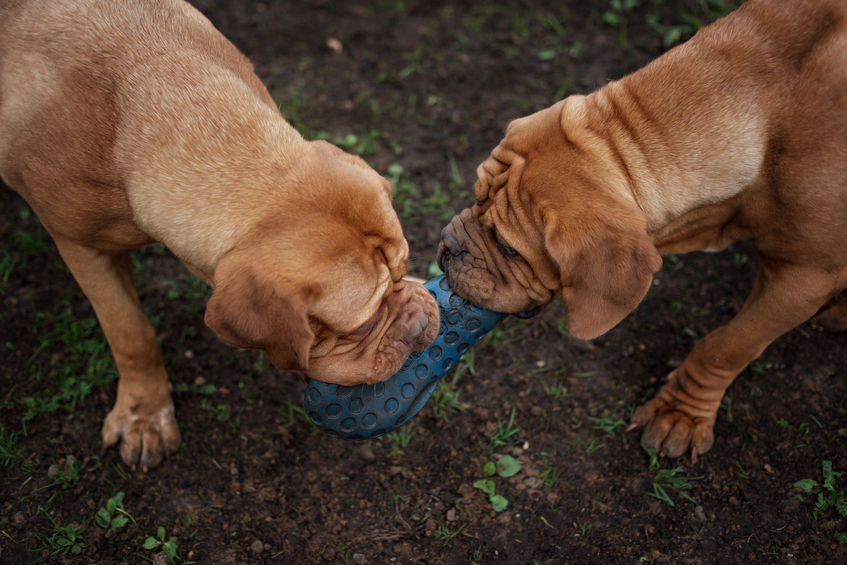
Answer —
142 418
682 414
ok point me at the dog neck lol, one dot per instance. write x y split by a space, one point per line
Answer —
685 164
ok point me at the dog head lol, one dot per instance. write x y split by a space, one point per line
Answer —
552 215
319 283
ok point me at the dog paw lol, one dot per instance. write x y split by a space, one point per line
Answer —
672 427
146 437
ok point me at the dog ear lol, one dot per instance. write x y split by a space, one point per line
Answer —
248 311
604 273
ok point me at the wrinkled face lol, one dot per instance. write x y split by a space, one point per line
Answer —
494 253
493 262
321 287
551 216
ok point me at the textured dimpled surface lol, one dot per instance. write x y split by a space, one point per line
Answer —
365 411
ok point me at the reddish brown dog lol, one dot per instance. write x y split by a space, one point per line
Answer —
125 122
738 134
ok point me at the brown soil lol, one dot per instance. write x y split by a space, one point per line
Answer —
431 86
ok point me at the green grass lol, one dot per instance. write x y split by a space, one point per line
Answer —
505 467
669 482
828 497
583 528
169 546
556 389
8 447
411 201
63 540
445 400
83 362
504 435
113 514
8 263
609 425
400 440
223 413
445 535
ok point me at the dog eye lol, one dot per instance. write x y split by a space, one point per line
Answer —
507 251
504 250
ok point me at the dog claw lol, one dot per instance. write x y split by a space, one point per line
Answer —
145 440
670 431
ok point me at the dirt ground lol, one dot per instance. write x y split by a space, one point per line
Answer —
423 90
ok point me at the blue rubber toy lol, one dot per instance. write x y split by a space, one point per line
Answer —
367 411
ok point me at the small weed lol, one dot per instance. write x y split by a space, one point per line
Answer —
455 180
63 540
583 528
223 413
740 260
504 434
400 440
414 64
31 243
405 193
467 363
556 389
167 546
293 413
673 263
113 514
86 362
190 291
675 33
828 496
505 467
666 481
445 400
206 389
446 535
8 262
562 327
8 449
66 473
549 477
607 424
741 472
591 446
802 428
501 336
617 16
362 145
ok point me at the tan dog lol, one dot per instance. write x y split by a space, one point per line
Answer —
124 122
740 133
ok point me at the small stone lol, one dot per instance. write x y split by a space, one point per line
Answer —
52 470
257 547
360 559
451 515
335 45
366 453
700 513
533 482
